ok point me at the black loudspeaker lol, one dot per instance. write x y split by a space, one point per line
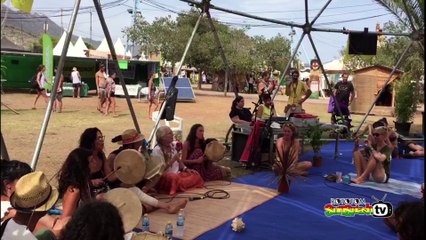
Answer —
363 43
239 141
171 98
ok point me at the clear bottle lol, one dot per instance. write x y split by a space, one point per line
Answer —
169 230
145 223
180 224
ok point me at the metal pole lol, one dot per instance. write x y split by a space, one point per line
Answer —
325 75
91 27
163 105
289 63
384 85
320 12
221 51
4 153
55 86
114 58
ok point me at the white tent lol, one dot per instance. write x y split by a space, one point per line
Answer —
57 50
119 48
335 65
80 45
103 47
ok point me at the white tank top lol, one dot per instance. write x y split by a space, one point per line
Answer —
75 78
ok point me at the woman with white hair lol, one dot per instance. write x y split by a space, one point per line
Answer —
176 177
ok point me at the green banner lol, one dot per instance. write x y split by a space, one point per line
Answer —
123 64
48 60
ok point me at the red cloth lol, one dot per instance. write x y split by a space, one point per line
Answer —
304 115
252 143
179 182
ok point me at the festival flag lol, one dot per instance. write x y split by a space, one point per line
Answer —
48 60
23 5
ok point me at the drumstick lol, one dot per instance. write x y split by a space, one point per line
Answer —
106 177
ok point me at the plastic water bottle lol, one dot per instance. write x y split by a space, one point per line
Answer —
169 230
180 224
145 223
347 179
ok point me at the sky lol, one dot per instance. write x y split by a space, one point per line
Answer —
353 15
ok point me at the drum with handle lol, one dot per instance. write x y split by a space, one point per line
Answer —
215 151
129 166
155 167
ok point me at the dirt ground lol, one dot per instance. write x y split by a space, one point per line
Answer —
21 131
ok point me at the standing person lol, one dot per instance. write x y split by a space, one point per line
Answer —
265 86
297 92
152 98
101 84
376 165
111 94
344 92
40 79
58 100
288 150
76 82
176 177
193 156
251 83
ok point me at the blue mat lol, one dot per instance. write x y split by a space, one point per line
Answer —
300 214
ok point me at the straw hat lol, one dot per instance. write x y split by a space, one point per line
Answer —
130 136
34 193
128 205
155 167
129 166
215 151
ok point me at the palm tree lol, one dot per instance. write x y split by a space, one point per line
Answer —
409 13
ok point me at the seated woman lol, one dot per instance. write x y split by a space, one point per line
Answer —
376 164
131 139
252 148
74 181
239 114
193 156
11 172
177 177
288 150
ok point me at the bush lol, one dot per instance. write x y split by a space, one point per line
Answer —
405 100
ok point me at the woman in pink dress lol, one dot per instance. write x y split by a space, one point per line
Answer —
193 156
176 177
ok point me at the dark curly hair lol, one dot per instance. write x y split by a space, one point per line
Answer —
88 138
12 170
75 172
191 138
95 220
236 101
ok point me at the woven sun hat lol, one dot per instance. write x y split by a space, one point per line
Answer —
130 136
34 193
215 151
155 166
74 69
129 166
128 204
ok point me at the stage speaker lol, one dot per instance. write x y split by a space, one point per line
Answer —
363 43
239 140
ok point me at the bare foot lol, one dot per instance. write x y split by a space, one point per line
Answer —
175 207
358 180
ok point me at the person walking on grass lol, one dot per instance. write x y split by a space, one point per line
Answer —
110 102
58 100
76 82
101 83
152 98
40 79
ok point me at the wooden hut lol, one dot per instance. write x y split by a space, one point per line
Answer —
368 82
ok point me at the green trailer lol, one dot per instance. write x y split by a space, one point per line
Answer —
21 67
